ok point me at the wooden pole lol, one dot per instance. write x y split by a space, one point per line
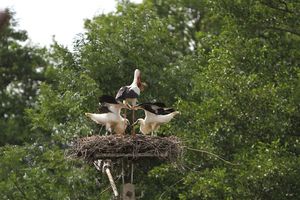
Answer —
112 183
123 173
131 173
105 168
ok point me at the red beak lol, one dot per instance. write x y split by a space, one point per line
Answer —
139 82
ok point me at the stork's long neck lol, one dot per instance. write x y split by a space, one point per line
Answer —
142 122
148 116
119 113
135 81
137 78
116 110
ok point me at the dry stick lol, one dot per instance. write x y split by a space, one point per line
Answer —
123 179
203 151
132 173
185 166
108 187
105 190
102 145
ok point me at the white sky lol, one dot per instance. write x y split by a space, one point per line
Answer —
63 18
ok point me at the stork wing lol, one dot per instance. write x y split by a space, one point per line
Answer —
165 111
126 93
120 94
147 107
149 115
104 109
156 108
159 104
107 99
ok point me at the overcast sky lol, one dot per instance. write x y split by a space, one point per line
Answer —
63 18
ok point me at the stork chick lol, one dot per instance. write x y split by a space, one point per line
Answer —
111 115
156 114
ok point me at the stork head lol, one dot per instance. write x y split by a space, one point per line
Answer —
177 113
127 122
138 121
137 75
138 80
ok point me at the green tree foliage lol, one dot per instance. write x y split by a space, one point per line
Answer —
230 67
41 172
242 107
21 71
63 99
133 37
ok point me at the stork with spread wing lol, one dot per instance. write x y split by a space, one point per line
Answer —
110 115
156 114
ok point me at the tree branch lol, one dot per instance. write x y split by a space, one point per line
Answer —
162 194
276 8
285 5
282 30
207 152
20 190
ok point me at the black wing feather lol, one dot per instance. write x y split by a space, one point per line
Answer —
156 108
162 111
104 109
120 93
107 99
148 108
125 93
159 104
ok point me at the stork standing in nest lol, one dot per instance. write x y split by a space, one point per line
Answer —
129 94
156 114
110 115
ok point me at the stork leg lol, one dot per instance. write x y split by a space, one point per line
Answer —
133 120
125 117
108 130
100 129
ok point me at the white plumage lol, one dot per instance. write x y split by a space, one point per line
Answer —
111 118
131 92
155 115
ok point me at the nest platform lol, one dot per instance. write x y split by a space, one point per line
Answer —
114 147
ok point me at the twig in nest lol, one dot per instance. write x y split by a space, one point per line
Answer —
115 147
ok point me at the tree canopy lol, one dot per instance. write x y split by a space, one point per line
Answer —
230 67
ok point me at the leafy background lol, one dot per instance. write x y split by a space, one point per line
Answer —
230 67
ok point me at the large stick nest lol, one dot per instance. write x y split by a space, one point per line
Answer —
115 147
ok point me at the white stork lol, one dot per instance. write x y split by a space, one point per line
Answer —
130 93
156 114
110 115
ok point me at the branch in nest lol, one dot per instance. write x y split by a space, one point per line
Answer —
115 147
